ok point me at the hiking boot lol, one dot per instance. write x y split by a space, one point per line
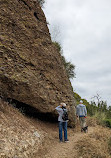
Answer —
60 141
82 130
66 141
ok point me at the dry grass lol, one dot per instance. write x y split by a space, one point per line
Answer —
92 121
94 145
18 137
101 134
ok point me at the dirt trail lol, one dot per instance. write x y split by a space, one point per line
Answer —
52 148
66 150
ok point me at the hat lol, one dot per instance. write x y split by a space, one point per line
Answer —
81 101
63 104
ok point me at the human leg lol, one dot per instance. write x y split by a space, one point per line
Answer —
81 124
60 131
84 122
65 130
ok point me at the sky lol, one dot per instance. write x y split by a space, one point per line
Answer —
83 28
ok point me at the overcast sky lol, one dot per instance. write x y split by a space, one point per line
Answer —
83 28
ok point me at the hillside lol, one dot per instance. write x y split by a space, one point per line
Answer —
18 136
23 137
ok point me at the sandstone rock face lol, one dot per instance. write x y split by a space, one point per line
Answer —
31 69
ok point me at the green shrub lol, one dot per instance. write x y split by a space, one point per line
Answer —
58 46
77 97
107 122
100 116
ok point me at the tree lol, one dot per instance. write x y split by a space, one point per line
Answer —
109 112
97 96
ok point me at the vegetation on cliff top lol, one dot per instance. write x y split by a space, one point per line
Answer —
70 68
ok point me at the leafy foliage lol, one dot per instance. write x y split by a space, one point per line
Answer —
68 65
77 97
107 122
109 112
58 46
69 68
101 112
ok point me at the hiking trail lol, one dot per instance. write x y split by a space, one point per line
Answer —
52 148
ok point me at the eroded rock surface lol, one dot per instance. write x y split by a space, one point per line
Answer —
31 69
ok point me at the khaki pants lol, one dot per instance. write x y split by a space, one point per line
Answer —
82 122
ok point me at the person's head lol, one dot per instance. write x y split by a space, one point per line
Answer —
63 105
81 101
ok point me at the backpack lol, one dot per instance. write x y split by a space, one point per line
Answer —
65 115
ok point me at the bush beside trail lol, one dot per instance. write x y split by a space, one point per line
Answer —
96 144
107 122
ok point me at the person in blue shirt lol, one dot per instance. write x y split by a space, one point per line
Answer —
62 123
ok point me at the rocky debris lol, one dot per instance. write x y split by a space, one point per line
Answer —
31 68
18 136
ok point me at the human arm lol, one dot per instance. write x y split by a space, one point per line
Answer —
59 108
85 110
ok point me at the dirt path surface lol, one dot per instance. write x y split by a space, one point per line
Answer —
52 148
66 150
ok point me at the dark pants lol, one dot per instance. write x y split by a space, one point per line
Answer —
62 125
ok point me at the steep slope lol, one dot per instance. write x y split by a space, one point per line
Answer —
31 69
19 137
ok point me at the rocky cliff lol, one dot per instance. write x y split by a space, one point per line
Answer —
31 69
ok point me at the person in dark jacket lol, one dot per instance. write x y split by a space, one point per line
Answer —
81 113
62 123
